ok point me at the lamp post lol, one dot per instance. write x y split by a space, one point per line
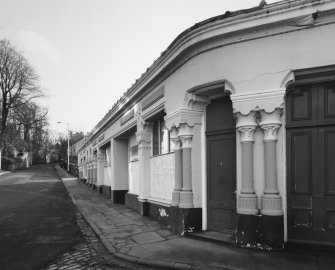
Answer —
68 144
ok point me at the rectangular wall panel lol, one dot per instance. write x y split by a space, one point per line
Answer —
301 166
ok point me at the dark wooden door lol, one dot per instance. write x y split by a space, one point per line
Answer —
221 166
310 112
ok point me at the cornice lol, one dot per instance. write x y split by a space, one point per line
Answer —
217 32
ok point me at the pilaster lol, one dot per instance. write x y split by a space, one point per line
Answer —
178 166
186 194
143 137
100 167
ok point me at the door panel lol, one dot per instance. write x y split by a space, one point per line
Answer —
311 163
302 158
222 182
221 166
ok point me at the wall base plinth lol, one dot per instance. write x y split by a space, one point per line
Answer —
131 201
106 190
118 196
272 228
183 221
143 207
260 232
248 230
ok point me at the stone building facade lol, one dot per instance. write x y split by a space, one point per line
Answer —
231 130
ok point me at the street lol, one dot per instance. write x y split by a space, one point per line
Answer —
41 228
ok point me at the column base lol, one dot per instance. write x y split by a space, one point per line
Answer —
175 198
271 205
186 199
247 204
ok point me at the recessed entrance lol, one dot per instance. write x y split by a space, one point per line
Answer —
310 118
221 166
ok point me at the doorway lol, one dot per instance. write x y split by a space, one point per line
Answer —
221 166
310 128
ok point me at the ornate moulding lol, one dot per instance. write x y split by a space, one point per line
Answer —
256 101
183 116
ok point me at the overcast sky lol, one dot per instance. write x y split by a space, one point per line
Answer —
88 52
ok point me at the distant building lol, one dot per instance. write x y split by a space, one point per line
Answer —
231 130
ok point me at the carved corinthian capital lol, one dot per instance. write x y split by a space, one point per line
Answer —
246 125
247 133
270 132
174 137
270 124
186 140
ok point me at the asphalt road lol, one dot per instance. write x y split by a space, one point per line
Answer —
37 219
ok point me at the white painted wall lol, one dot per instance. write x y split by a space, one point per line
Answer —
107 169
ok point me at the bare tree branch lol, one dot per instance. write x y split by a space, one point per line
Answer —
19 83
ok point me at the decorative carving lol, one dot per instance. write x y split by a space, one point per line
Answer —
183 117
265 100
143 137
174 137
186 141
177 143
247 133
270 132
270 124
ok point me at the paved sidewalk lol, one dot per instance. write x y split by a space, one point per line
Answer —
129 236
